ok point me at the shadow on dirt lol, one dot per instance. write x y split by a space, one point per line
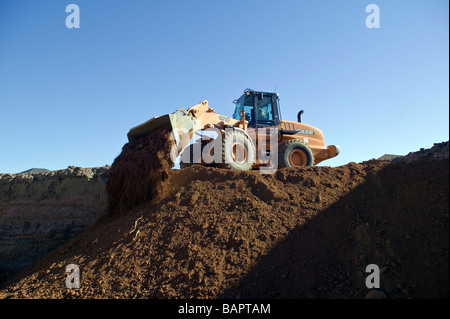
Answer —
397 219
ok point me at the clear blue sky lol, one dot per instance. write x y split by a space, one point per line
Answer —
69 96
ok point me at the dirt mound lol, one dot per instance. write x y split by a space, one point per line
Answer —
137 174
438 151
299 233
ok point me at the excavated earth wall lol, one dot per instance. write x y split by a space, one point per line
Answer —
41 211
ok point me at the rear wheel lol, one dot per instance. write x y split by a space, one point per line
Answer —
295 153
238 152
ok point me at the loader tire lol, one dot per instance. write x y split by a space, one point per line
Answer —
295 153
238 151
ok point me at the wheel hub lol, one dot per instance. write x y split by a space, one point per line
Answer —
239 153
297 158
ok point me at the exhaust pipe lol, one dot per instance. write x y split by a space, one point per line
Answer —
299 116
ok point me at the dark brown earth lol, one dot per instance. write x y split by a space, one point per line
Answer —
205 232
138 171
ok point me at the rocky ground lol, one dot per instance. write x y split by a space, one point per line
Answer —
41 211
205 232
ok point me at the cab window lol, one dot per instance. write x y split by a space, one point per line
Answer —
245 103
265 110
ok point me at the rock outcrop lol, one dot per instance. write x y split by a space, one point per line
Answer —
41 211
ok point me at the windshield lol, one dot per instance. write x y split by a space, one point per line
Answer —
245 102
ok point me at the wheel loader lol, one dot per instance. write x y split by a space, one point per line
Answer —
254 137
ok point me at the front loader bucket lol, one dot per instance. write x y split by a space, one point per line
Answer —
180 123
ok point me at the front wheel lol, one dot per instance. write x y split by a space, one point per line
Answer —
238 152
295 153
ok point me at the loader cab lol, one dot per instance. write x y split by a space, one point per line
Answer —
261 108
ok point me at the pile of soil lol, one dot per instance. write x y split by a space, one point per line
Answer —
138 173
299 233
437 151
